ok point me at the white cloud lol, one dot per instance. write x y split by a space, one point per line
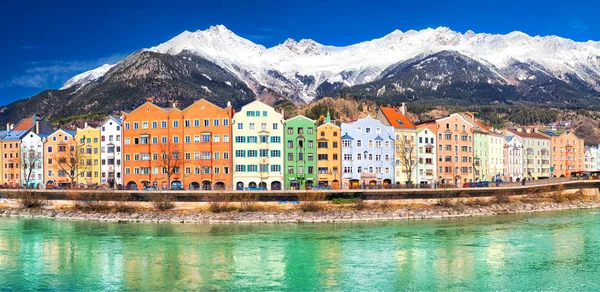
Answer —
46 74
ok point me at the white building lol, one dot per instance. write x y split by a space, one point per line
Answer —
513 155
590 157
495 155
32 160
111 155
258 147
426 154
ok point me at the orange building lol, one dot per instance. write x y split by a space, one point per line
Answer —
58 147
207 146
567 152
329 160
11 147
455 148
192 145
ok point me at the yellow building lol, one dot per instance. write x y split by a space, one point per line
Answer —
328 155
88 146
405 142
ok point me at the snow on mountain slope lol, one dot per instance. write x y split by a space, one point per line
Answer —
87 77
296 68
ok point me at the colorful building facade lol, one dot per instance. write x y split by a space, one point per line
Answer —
455 149
496 144
367 154
111 152
32 160
60 153
567 152
536 153
426 154
329 145
513 159
590 155
89 155
405 145
258 146
152 138
300 153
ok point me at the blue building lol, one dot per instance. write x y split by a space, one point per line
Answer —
367 154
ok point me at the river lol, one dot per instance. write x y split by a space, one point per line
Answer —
544 251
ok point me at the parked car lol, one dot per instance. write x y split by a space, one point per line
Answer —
481 184
255 189
468 185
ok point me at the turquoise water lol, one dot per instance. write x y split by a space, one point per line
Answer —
550 251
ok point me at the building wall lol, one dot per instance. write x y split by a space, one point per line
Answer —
496 144
257 120
406 138
111 152
513 162
567 153
207 146
426 170
88 140
32 161
455 149
590 158
149 131
11 153
377 168
481 150
59 145
300 153
329 156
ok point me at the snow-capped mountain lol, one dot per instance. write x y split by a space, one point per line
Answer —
296 69
87 77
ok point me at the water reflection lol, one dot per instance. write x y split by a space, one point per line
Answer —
528 252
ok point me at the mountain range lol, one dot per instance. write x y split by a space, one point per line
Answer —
438 65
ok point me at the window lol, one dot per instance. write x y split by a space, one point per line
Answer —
144 125
154 125
275 139
226 155
205 138
175 139
275 126
163 124
175 123
225 122
206 122
240 153
252 126
240 126
216 122
275 153
346 143
216 138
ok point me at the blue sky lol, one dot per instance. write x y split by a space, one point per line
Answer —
47 42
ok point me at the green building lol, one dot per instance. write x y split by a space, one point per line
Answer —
481 159
300 153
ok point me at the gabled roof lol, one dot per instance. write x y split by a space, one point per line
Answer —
378 138
113 118
300 116
23 125
396 118
533 135
70 133
347 137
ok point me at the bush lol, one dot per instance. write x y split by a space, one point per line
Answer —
219 202
501 197
248 202
30 199
162 201
97 202
445 202
309 201
341 201
360 205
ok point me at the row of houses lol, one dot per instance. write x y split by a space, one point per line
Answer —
204 146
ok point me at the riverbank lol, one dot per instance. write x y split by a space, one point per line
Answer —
373 211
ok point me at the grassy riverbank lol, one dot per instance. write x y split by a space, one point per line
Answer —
309 208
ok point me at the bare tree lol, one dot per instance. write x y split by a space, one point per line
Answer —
30 161
406 154
71 160
170 160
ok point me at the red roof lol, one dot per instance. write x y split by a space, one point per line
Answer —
396 118
524 134
24 124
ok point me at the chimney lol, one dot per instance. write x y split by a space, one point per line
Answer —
150 99
37 126
85 125
282 114
7 127
174 104
527 130
403 108
519 130
228 103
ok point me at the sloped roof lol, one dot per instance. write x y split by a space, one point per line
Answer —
533 135
23 125
14 135
347 137
396 118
